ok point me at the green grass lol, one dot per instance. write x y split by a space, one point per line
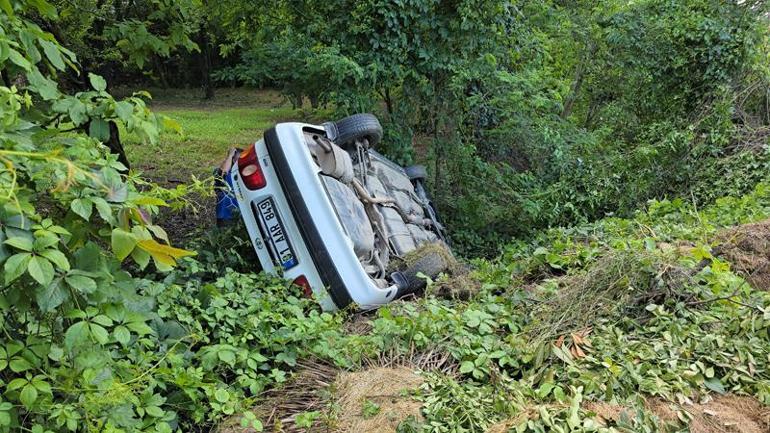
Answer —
235 118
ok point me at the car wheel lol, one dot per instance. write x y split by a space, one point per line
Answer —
355 127
416 172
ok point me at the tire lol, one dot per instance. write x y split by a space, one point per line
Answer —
416 172
355 127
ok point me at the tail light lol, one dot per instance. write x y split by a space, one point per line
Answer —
302 282
251 172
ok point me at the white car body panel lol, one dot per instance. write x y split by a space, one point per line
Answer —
306 172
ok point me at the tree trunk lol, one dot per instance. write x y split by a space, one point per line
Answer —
577 83
208 86
388 102
116 146
6 80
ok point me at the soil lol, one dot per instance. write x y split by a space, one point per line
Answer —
182 225
747 248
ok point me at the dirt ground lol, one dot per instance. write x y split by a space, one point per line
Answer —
185 224
747 248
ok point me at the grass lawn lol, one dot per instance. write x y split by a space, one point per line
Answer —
236 117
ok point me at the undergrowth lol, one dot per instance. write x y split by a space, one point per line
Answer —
605 312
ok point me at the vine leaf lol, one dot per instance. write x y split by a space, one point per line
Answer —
123 243
15 266
82 207
41 270
97 82
163 254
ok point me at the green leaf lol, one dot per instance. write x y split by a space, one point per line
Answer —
76 335
28 395
154 411
51 296
41 385
45 87
5 5
45 241
19 60
124 110
89 258
52 52
123 243
99 129
102 320
467 367
82 207
226 356
56 353
81 283
17 383
141 257
78 112
19 242
44 8
15 266
41 270
140 328
97 82
4 252
99 333
715 385
57 258
104 209
19 364
158 232
222 395
122 334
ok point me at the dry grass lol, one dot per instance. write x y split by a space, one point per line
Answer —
412 257
619 284
581 299
387 387
306 391
747 248
339 395
723 414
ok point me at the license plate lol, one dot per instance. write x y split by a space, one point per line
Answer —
278 243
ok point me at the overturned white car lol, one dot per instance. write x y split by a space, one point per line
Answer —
326 210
